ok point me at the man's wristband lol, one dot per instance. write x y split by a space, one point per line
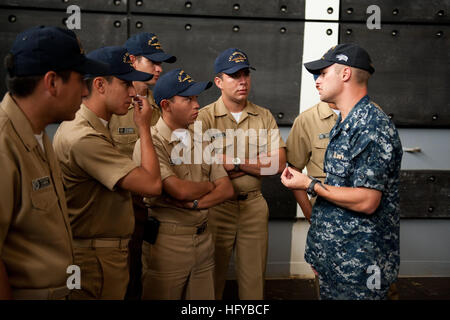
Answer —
310 189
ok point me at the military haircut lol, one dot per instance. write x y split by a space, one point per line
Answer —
360 76
23 86
90 81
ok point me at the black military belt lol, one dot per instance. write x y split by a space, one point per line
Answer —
247 195
243 196
202 228
171 228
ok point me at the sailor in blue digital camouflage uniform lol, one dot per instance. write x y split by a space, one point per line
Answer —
353 241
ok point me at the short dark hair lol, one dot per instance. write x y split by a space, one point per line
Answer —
90 81
23 86
220 74
171 99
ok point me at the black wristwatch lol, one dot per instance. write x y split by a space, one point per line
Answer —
195 204
310 189
237 164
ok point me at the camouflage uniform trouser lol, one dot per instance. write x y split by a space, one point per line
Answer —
331 289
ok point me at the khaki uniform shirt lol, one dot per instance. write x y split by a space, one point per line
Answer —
164 143
35 235
124 131
309 137
91 167
217 120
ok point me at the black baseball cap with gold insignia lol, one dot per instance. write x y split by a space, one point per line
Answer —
40 49
231 60
177 83
119 63
147 45
349 54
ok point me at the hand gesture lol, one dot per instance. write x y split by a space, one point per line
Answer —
294 179
142 112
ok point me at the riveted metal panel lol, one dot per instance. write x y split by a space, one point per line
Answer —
430 11
274 49
281 201
278 9
410 82
97 30
88 5
425 194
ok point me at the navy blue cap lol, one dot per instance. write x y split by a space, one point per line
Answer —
346 53
231 61
147 45
41 49
119 63
177 83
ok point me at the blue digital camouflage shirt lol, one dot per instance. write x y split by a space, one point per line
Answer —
364 151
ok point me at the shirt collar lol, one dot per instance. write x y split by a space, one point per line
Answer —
325 111
94 121
221 110
151 98
164 130
20 122
352 117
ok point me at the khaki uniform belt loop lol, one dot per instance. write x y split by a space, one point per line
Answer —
58 293
101 243
173 228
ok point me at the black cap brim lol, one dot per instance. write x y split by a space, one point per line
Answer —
161 57
134 76
236 69
195 89
314 67
90 66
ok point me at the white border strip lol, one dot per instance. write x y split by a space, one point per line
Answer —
322 10
316 41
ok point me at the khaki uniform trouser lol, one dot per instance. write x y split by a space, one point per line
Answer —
104 272
134 289
179 265
242 226
59 293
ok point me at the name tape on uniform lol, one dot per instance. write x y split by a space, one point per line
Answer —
125 130
41 183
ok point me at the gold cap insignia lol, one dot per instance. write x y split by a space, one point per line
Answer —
237 57
154 42
183 76
126 59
